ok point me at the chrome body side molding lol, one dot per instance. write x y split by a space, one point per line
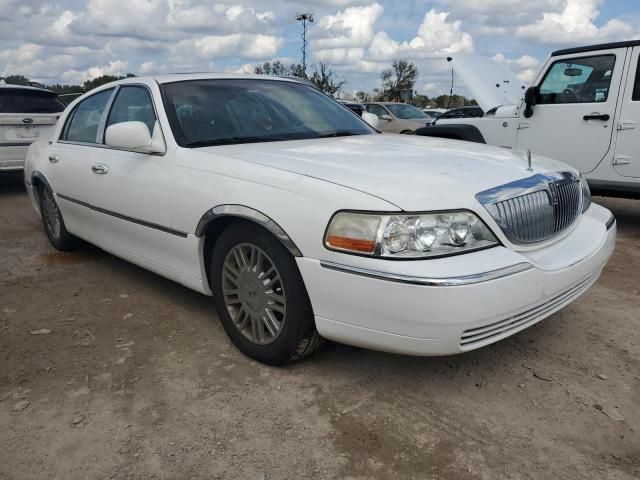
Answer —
247 213
432 281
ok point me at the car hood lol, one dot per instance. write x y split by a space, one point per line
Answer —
412 172
489 83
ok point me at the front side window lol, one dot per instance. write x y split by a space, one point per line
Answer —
406 112
377 110
133 104
578 80
22 100
85 119
229 111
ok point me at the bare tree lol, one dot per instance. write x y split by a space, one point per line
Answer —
401 77
325 79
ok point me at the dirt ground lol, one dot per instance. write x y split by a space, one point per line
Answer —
110 371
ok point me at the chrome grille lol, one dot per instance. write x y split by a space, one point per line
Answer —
536 208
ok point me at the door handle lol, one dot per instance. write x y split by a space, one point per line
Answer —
100 168
54 158
597 116
622 160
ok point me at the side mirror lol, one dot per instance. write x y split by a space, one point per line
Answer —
371 119
386 117
135 136
530 100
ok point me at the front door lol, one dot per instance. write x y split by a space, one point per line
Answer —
626 160
131 189
573 120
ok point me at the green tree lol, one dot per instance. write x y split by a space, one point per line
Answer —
398 81
99 81
280 69
17 80
362 96
325 79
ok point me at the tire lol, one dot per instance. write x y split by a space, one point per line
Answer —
407 132
53 222
260 296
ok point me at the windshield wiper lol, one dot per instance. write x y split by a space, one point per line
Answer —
338 133
231 141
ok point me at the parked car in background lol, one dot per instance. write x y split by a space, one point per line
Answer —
583 108
398 117
433 112
462 112
26 114
304 222
354 106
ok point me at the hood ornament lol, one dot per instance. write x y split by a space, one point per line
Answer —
529 160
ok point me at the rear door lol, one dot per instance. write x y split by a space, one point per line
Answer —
626 160
25 115
573 120
70 160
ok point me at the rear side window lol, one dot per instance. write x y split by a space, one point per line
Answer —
85 119
19 100
133 104
578 80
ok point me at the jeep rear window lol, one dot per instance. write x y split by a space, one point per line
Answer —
18 100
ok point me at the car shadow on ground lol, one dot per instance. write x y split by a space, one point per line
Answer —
11 183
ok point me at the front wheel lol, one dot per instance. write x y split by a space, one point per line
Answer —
260 296
53 223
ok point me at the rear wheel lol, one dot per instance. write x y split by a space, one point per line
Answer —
53 223
260 296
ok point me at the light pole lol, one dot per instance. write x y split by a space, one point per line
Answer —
304 18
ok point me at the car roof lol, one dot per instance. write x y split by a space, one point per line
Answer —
593 48
182 77
25 87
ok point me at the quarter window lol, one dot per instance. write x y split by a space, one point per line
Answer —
636 87
133 104
85 119
578 80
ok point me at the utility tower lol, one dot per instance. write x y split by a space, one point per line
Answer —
304 18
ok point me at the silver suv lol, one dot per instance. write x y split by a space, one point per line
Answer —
26 114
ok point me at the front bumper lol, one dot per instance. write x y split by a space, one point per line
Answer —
412 311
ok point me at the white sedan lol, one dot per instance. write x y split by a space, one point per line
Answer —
303 222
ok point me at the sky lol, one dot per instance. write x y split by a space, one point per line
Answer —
70 41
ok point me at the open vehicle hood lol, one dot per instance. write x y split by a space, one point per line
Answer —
490 84
412 173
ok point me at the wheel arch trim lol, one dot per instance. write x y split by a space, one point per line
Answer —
36 175
247 213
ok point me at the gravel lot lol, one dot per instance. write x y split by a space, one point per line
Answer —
110 371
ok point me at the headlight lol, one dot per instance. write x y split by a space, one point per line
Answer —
407 236
586 194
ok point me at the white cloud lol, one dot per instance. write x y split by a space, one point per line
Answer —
525 67
352 27
252 46
575 24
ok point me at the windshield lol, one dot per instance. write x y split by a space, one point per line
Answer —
21 100
230 111
404 111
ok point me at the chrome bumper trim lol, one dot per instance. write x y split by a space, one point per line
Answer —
431 282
